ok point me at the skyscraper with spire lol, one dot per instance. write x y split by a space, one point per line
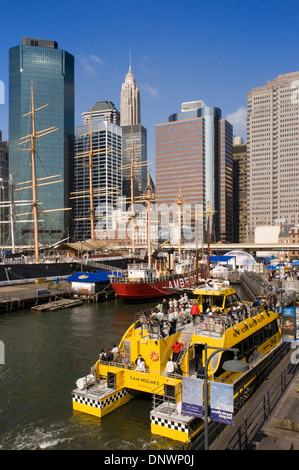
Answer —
134 137
130 101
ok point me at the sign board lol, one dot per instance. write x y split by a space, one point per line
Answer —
192 403
222 402
288 324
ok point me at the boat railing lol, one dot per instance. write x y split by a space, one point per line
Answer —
160 277
166 399
157 326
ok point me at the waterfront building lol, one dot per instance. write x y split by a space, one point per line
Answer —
273 153
106 177
134 137
194 157
51 70
239 190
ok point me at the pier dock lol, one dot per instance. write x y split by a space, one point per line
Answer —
25 296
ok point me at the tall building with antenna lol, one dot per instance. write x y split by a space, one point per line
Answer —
134 137
52 72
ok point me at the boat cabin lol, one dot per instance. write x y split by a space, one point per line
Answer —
141 274
216 296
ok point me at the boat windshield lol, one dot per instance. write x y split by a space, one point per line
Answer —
231 300
218 301
209 301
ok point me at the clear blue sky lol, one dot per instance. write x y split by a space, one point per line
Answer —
181 50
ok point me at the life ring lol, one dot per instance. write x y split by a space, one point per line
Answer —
154 356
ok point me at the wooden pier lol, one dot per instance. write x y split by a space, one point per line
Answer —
26 296
60 304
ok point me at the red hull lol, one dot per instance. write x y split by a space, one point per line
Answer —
154 289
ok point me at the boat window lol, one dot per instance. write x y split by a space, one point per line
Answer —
206 302
245 347
231 300
255 340
272 330
218 301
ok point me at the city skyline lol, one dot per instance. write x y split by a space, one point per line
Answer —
192 51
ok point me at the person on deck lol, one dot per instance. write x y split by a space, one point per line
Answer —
194 312
176 348
140 363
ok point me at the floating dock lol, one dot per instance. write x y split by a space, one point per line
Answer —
60 304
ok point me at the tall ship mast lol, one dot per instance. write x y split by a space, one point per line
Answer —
150 282
91 193
35 182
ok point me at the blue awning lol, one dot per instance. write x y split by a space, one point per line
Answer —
99 276
220 259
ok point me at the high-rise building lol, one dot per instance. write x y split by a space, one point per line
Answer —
194 155
106 177
240 190
134 147
134 137
4 185
273 153
103 111
51 71
130 101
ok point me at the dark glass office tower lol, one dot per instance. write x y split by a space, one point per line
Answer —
194 153
52 72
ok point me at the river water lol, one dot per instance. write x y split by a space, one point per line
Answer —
45 353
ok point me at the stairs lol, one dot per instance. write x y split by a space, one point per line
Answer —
185 338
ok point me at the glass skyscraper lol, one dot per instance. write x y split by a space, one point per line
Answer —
194 154
52 72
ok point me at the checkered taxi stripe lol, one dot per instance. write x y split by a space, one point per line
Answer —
100 403
169 424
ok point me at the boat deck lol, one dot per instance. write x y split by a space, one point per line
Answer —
156 326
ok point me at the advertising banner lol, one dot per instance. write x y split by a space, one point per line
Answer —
222 402
192 397
288 324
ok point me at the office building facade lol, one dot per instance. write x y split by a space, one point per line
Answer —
4 193
106 177
273 153
102 111
51 70
239 190
194 156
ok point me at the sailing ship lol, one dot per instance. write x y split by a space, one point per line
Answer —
21 267
154 281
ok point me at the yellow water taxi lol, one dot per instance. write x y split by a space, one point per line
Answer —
228 324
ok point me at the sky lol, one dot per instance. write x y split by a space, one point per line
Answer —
180 51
